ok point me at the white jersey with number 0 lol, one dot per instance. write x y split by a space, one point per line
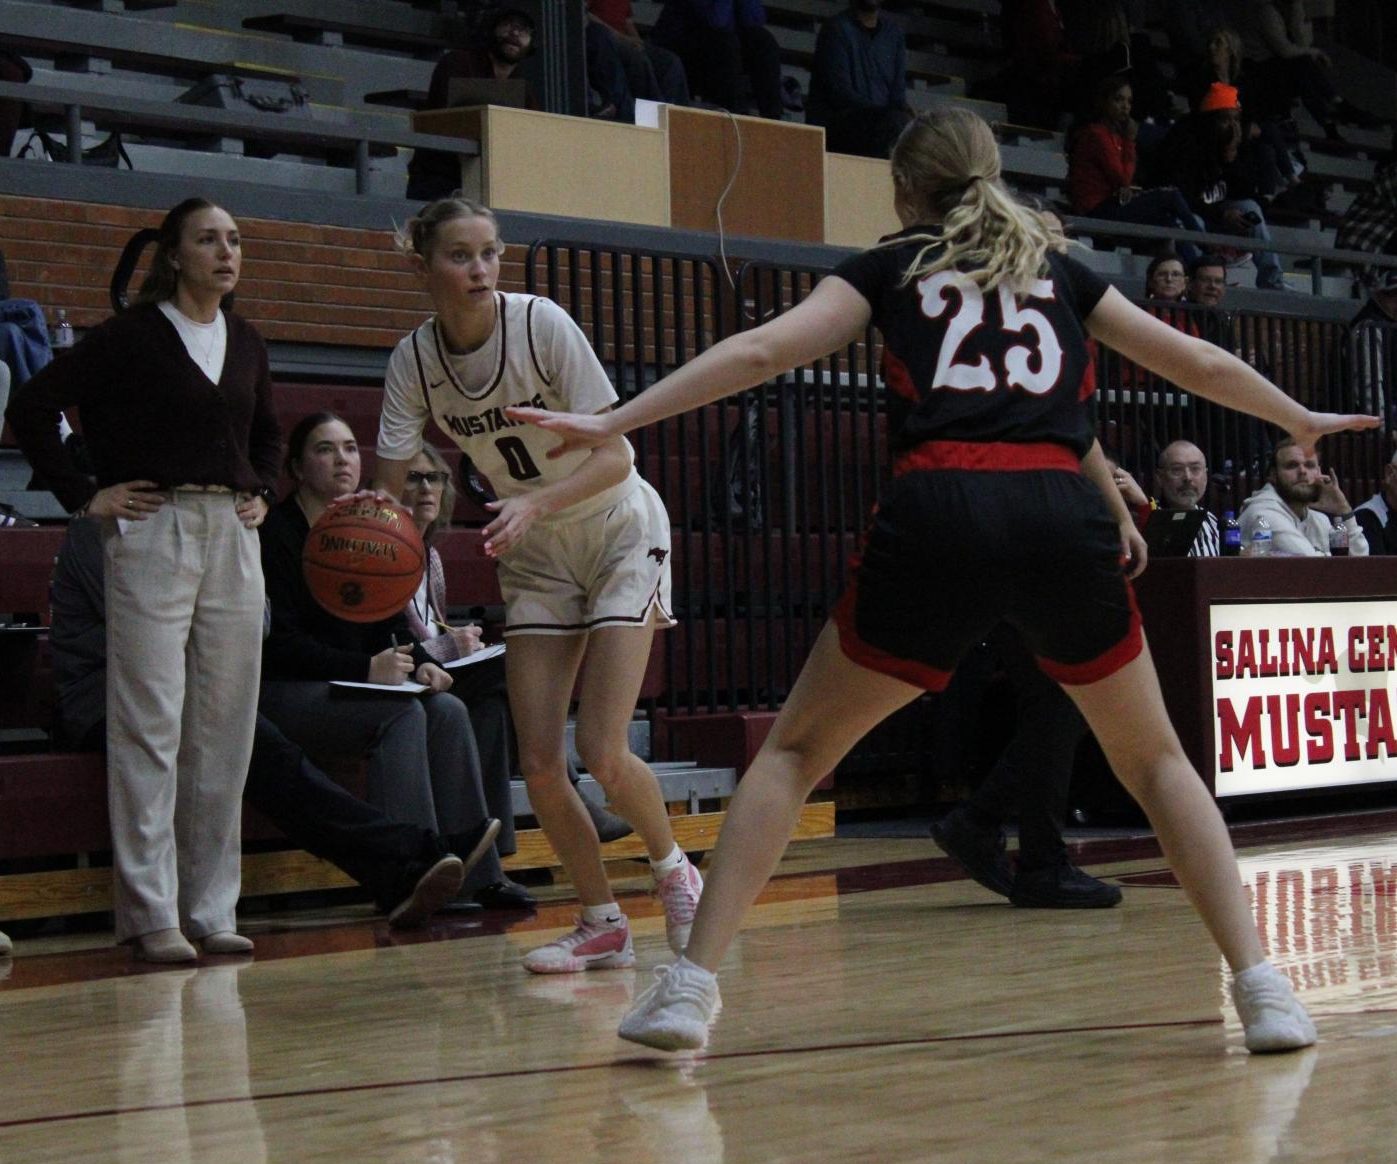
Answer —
535 356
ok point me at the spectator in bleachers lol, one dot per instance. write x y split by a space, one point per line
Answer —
423 764
1285 65
410 871
1100 32
652 72
1199 155
858 83
1270 146
1042 71
1166 280
1101 170
1207 281
176 400
1370 222
1375 515
504 42
1300 502
1371 335
726 49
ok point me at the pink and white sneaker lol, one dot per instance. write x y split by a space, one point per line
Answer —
591 946
679 893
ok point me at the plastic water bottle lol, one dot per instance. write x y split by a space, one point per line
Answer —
1338 539
62 331
1261 539
1231 534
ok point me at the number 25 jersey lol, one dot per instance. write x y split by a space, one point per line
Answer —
965 365
536 356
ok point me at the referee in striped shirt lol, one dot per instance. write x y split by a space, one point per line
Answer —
1180 480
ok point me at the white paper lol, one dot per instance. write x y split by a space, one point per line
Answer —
479 656
405 688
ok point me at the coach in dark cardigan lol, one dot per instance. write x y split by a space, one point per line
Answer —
175 398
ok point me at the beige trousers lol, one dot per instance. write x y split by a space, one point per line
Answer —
184 656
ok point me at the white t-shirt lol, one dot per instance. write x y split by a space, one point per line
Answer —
536 356
206 343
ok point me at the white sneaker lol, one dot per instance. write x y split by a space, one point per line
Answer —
1272 1017
679 892
674 1014
591 946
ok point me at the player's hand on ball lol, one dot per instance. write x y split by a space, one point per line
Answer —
430 675
390 667
515 516
577 430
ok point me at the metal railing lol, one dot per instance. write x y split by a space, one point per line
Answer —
768 492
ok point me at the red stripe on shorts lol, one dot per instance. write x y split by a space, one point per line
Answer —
993 455
918 674
1108 662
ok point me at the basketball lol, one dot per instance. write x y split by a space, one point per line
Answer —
363 559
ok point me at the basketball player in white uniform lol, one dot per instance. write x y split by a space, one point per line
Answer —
582 546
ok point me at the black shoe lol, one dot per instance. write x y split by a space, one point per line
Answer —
471 846
1062 887
505 894
433 890
610 827
977 850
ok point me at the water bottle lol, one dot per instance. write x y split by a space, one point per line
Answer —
1338 539
62 332
1261 539
1231 534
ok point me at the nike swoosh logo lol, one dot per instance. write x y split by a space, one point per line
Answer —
436 384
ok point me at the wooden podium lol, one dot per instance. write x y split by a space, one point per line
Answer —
1280 674
779 182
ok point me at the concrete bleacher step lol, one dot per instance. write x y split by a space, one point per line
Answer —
681 781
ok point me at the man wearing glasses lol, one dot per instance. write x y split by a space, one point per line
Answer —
1180 480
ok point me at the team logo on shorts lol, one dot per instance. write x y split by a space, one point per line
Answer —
658 554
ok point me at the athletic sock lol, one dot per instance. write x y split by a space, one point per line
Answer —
667 865
608 914
1262 970
693 969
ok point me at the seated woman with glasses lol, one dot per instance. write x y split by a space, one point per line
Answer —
431 497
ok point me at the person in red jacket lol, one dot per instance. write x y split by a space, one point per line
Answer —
1101 170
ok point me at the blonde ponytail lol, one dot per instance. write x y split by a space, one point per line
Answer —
946 165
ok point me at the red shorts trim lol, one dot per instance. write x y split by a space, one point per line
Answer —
992 455
1105 664
918 674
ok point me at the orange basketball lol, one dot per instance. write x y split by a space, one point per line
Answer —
363 559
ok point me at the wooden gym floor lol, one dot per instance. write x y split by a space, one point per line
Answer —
878 1007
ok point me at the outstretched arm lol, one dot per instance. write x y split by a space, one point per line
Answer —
833 315
1208 371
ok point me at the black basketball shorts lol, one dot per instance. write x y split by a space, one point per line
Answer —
950 553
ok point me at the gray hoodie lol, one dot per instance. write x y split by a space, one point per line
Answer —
1289 534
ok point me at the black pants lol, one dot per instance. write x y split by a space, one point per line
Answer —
384 856
1034 772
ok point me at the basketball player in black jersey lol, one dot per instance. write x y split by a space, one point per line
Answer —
1001 507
